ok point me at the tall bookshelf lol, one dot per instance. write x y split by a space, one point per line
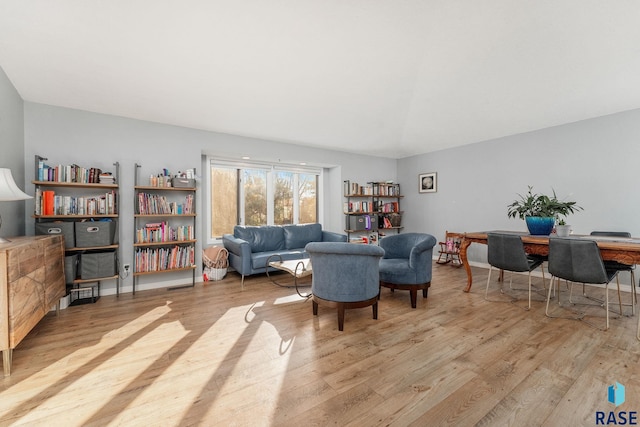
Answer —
165 226
371 211
82 204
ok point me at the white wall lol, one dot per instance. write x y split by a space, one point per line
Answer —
594 162
12 148
67 136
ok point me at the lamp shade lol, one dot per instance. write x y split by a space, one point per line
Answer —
8 189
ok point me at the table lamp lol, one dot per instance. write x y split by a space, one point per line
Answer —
9 191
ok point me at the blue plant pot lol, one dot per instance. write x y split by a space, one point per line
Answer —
540 226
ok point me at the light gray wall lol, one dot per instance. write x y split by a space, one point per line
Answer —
67 136
593 162
12 148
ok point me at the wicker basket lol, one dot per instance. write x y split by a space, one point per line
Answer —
216 262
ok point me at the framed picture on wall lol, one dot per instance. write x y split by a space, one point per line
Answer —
428 182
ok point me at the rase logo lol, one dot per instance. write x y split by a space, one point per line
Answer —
615 396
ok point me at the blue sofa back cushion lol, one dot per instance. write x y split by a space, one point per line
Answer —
297 236
261 238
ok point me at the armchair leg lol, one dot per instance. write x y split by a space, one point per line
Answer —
340 316
315 308
414 297
375 311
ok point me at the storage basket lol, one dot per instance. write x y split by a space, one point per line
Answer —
216 262
396 219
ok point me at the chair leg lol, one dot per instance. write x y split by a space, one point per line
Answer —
634 294
340 316
414 297
638 329
606 297
619 297
425 293
486 291
315 308
375 311
546 311
529 306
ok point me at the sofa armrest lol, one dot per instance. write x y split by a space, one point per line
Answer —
330 236
239 250
236 246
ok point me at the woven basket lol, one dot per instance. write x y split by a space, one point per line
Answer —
216 262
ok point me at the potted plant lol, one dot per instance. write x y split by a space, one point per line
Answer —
540 211
562 228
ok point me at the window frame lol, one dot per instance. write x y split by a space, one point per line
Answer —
271 168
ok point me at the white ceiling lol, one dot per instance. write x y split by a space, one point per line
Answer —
392 77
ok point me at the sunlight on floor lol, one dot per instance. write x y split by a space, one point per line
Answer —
105 361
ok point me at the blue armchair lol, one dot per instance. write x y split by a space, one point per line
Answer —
345 275
407 263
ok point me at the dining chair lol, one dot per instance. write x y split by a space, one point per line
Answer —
620 267
578 261
506 252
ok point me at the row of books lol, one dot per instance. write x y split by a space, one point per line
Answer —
387 207
72 173
48 203
154 204
385 189
358 206
369 207
160 259
158 232
371 189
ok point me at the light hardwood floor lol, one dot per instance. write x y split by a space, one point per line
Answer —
216 355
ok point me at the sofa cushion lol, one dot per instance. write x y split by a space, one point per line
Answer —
260 260
297 236
261 238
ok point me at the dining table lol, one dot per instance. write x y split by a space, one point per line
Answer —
625 250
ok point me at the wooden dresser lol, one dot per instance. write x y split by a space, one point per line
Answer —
31 282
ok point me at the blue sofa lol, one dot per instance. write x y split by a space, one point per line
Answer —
250 247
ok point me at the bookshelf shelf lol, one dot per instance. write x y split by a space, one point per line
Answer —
165 228
170 270
73 216
150 188
371 210
73 184
81 204
168 243
163 215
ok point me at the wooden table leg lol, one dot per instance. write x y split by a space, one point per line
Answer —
463 256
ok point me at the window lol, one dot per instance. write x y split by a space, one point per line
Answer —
260 194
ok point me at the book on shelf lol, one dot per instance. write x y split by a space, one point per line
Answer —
159 232
48 203
163 259
154 204
71 174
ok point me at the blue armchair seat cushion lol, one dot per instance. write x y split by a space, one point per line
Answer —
395 270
